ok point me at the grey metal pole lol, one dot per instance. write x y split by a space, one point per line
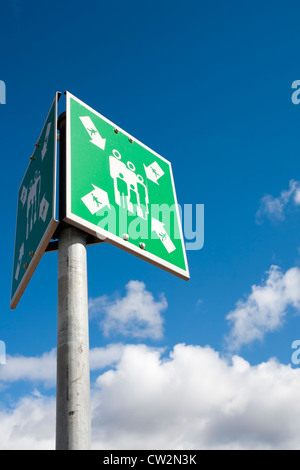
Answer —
73 372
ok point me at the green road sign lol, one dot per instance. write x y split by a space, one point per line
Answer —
119 190
36 222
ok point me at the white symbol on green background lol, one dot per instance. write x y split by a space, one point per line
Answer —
44 206
154 172
143 216
96 200
23 195
96 138
158 227
36 207
33 202
21 254
130 190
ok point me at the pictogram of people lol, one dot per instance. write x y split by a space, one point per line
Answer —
130 191
133 198
143 198
122 187
96 200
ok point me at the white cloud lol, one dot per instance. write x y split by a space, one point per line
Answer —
195 400
192 399
105 357
137 314
42 369
29 424
265 308
274 208
35 369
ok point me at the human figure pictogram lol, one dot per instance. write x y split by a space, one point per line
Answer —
123 189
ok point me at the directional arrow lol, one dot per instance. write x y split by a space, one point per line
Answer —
154 172
21 253
23 195
96 200
159 228
96 138
43 209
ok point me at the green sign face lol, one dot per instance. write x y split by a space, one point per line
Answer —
121 191
36 222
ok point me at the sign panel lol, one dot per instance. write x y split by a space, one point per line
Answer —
121 191
36 222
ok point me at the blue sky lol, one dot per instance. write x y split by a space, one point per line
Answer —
209 87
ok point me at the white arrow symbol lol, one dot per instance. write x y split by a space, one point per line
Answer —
96 138
159 228
21 253
23 195
153 172
96 200
43 209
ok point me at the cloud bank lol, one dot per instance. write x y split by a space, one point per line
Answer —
191 399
